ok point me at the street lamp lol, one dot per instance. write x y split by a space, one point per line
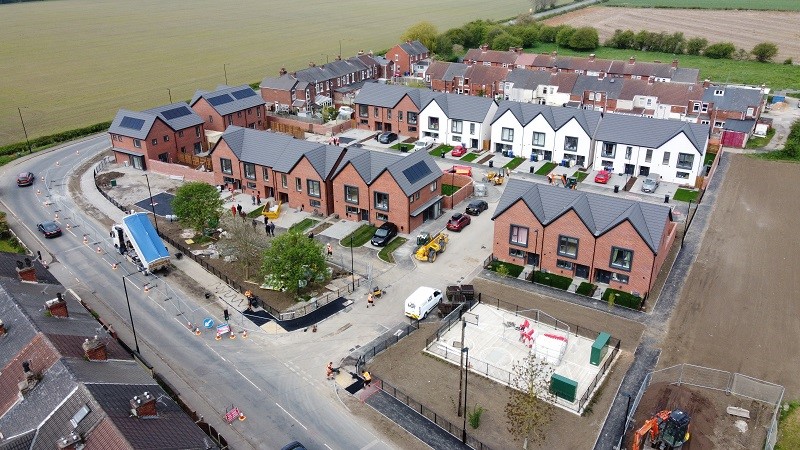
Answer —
466 378
152 206
27 142
352 264
224 69
536 249
130 314
170 95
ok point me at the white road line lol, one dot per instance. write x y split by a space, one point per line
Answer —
287 413
248 380
215 352
326 445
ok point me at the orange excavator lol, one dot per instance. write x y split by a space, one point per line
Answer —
667 430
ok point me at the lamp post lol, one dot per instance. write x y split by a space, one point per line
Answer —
152 206
536 248
461 366
130 314
27 142
466 384
170 95
225 70
352 264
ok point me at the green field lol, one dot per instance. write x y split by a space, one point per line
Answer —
777 5
776 76
73 63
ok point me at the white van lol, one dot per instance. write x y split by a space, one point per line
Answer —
422 302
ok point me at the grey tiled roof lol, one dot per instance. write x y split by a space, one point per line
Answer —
142 124
463 107
528 79
685 75
58 424
20 330
455 70
414 48
389 95
611 86
556 116
734 98
371 164
743 126
177 116
283 83
8 264
229 101
600 213
648 132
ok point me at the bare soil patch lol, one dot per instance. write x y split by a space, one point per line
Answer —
738 310
727 26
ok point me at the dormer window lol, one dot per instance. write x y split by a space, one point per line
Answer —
719 92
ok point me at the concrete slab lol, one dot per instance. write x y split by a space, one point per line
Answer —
340 229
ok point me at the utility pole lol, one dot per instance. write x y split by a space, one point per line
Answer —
170 95
152 206
130 314
461 366
225 69
27 142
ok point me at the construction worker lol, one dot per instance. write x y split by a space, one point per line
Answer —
329 370
367 378
370 300
329 248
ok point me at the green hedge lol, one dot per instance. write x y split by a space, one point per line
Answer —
46 141
586 289
553 280
513 269
623 299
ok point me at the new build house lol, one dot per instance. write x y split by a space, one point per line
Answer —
454 119
239 105
605 240
156 134
382 107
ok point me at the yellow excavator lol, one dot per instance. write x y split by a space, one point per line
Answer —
429 246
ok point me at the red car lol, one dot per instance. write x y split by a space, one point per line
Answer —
25 179
458 222
458 151
602 177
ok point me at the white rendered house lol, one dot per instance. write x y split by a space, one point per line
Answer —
453 119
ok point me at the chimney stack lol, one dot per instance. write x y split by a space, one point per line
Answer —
632 60
554 53
312 64
282 72
95 349
485 47
144 406
26 271
706 83
57 306
69 442
2 328
360 52
370 53
675 63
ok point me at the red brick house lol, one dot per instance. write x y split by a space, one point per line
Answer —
380 187
240 106
603 239
158 134
383 107
484 56
405 55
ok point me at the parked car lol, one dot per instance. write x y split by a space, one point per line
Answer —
294 445
476 207
424 143
602 177
650 184
50 229
458 222
387 137
458 151
25 179
384 234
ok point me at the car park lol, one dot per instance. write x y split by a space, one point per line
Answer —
50 229
650 184
387 137
384 234
476 207
458 222
602 177
25 179
458 151
424 143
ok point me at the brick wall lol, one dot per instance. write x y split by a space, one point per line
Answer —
517 214
326 129
300 198
400 127
188 173
349 177
467 187
569 225
625 236
271 96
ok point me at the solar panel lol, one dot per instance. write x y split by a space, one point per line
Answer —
220 100
417 172
243 93
132 123
174 113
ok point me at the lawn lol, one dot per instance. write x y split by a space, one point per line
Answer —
776 76
449 189
256 212
303 225
11 247
709 158
469 157
386 252
777 155
546 168
789 428
760 142
360 236
581 175
438 151
514 163
511 270
402 147
777 5
80 46
685 195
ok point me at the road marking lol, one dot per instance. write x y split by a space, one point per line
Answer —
215 352
248 380
326 445
287 412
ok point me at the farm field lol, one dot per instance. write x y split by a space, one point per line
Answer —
738 310
761 26
776 5
70 64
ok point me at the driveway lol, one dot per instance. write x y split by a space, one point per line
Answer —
782 115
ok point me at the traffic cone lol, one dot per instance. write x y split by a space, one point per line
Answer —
146 286
244 335
58 163
85 239
232 336
114 266
38 191
241 416
69 226
219 336
56 216
99 250
197 331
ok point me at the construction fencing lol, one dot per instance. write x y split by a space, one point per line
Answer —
718 380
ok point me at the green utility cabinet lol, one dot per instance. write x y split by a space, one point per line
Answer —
563 387
599 348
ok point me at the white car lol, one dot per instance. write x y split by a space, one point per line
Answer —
424 143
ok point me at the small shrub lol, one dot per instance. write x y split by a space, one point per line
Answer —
788 61
622 299
475 416
502 270
506 269
586 289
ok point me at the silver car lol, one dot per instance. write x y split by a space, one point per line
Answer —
650 184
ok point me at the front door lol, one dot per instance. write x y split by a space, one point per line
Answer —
387 126
644 171
581 271
137 162
629 169
581 161
473 143
548 155
602 276
283 197
364 214
378 126
533 259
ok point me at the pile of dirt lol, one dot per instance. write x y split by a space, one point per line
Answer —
104 179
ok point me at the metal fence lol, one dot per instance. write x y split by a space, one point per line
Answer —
719 380
366 354
442 423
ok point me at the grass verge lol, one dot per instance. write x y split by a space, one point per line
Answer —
773 5
386 252
11 246
760 142
507 269
402 147
359 237
469 157
256 212
546 168
514 163
684 195
581 175
789 427
303 225
440 150
552 280
449 189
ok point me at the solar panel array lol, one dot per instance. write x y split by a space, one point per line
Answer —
174 113
417 172
220 100
243 93
132 123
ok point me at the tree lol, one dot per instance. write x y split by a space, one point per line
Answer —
792 147
584 38
539 5
720 50
197 205
765 51
424 32
695 46
443 47
245 241
563 36
621 39
329 113
529 409
674 43
506 41
294 260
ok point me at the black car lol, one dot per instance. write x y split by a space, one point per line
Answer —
476 207
294 445
387 137
384 234
25 179
49 229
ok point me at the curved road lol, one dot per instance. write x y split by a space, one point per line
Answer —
281 403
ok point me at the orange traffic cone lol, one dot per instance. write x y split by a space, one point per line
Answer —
99 250
197 331
244 335
114 266
56 216
232 335
219 336
241 416
69 226
85 239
